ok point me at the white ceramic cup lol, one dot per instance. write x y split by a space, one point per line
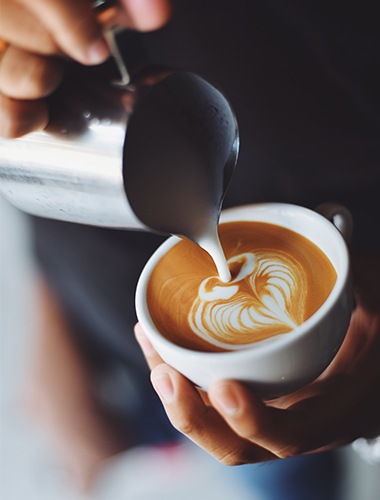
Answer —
284 363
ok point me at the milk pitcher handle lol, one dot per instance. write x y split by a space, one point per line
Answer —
106 13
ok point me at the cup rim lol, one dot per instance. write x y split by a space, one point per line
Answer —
274 343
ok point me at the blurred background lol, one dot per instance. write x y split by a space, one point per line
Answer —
29 468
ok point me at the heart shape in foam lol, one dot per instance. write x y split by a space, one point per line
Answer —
266 297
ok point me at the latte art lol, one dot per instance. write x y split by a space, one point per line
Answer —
267 295
278 280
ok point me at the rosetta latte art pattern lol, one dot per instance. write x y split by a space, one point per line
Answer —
266 297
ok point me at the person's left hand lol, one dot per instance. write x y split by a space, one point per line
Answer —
236 427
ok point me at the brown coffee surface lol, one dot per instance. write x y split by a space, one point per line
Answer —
279 279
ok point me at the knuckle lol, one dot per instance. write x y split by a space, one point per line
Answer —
185 425
34 83
29 76
234 457
18 118
9 123
291 450
28 88
9 129
190 425
252 430
42 80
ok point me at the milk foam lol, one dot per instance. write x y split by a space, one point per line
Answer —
262 296
211 243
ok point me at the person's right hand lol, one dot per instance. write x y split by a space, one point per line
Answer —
35 37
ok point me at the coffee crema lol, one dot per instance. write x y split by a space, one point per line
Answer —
279 279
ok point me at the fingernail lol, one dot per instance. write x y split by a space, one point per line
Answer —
226 399
164 387
146 345
97 53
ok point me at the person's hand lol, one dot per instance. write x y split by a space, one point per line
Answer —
34 38
236 427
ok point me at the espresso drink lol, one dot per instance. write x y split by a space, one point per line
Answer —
278 280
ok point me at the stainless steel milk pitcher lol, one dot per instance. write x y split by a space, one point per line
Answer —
155 155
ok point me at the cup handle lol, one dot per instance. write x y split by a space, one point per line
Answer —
340 216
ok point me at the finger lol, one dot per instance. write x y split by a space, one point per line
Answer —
74 27
24 75
21 28
200 423
21 117
314 419
147 15
52 27
279 431
151 355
